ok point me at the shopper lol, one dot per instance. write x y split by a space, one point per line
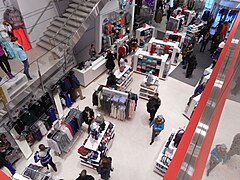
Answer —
192 64
83 176
45 158
105 167
199 89
4 162
112 81
153 105
88 116
187 52
4 64
21 55
157 126
92 51
235 147
215 56
216 39
110 65
218 154
76 85
205 40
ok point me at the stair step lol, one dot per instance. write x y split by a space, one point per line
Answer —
69 22
77 12
80 8
74 17
52 34
45 45
48 40
85 4
55 29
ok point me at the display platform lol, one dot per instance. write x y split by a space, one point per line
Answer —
86 76
147 91
125 78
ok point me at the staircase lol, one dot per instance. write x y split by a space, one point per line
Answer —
69 28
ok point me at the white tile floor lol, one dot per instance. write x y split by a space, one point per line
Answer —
133 157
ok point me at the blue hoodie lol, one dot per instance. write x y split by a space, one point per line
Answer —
157 128
19 52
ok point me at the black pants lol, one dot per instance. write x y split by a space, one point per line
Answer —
154 134
4 64
152 115
52 164
203 46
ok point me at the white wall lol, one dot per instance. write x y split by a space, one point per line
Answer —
31 10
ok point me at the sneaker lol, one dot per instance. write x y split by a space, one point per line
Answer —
151 142
83 98
29 78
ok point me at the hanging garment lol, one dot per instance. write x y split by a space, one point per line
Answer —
158 16
52 114
22 38
14 17
6 45
69 127
122 50
64 129
53 145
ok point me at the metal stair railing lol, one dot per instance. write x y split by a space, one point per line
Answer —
35 24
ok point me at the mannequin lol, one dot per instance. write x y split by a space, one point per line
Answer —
4 64
14 17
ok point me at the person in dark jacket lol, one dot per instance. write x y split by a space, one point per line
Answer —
104 168
76 85
205 40
187 52
112 81
153 105
4 162
110 65
83 176
157 126
199 89
192 64
45 158
88 116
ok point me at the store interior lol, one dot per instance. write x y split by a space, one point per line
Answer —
158 56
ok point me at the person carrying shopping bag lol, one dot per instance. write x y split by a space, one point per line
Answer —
157 126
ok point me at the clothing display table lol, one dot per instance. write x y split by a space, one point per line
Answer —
166 154
189 14
193 29
125 78
144 62
176 37
145 33
86 76
12 86
93 146
191 107
175 23
147 91
172 50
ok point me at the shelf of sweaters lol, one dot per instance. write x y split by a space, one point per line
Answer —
175 23
193 29
167 153
145 33
124 78
144 62
175 37
147 90
12 86
92 149
168 46
65 133
86 76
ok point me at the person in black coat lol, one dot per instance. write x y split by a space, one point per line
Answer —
192 64
75 84
110 65
83 176
153 105
112 81
104 168
88 116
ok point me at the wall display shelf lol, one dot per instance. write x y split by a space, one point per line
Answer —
144 63
175 23
125 78
166 154
147 91
86 76
145 33
172 51
12 86
106 137
176 37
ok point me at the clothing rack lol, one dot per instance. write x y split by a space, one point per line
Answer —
112 92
